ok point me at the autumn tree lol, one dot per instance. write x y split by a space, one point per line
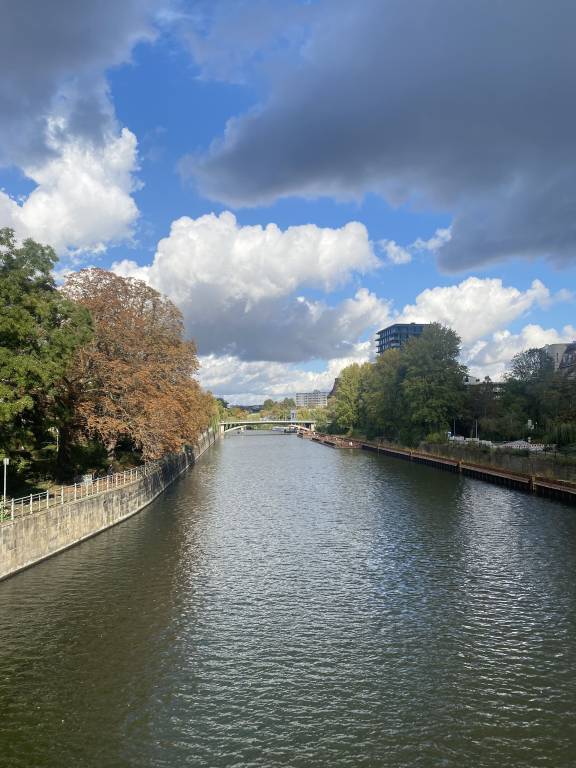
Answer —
135 378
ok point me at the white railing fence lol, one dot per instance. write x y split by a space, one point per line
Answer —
35 502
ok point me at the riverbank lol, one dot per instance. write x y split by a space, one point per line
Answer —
27 539
551 465
532 483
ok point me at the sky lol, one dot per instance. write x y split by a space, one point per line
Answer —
297 174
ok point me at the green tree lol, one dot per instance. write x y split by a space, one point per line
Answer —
40 331
531 365
347 406
384 404
433 388
527 391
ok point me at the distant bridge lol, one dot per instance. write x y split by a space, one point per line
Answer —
230 426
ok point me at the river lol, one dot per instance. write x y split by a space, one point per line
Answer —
286 604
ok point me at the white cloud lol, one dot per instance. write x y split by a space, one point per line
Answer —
251 263
239 290
395 253
236 286
82 200
491 357
399 254
252 382
433 244
475 307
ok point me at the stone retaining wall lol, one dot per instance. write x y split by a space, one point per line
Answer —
30 539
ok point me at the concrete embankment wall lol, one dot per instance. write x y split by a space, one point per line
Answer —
30 539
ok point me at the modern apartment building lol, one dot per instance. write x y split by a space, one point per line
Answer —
568 363
397 335
314 399
555 352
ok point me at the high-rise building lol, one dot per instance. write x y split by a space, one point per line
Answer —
315 399
555 353
568 363
397 335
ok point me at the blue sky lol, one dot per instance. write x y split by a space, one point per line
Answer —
295 175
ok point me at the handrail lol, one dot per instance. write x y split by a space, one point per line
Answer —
35 502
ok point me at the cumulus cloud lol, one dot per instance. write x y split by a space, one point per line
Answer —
82 200
239 289
461 105
53 58
476 307
250 382
237 286
491 357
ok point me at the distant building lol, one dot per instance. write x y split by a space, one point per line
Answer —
568 363
555 352
395 336
471 381
314 399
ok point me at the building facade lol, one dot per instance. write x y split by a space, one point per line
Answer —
395 336
555 352
315 399
568 363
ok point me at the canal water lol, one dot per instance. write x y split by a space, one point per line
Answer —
286 604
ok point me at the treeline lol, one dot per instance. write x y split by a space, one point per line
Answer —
271 409
418 393
92 371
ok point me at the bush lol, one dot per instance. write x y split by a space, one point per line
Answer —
436 438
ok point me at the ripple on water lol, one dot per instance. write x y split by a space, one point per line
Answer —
288 605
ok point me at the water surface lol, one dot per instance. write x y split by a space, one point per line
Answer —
286 604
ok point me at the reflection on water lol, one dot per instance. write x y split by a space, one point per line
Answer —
284 604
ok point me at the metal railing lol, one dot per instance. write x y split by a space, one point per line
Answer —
36 502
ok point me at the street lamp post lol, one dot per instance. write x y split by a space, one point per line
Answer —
5 462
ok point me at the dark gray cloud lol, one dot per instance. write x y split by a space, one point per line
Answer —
282 330
462 105
53 56
230 39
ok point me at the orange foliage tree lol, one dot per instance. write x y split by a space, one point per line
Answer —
135 378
